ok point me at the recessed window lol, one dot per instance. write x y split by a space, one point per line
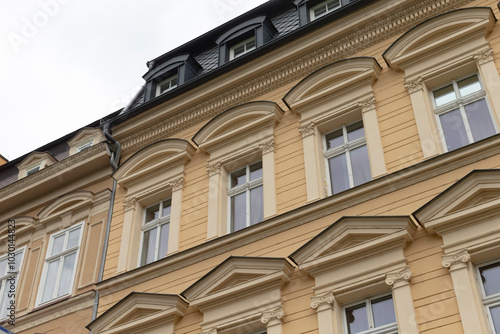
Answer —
33 170
347 157
489 276
166 85
374 315
60 264
155 231
462 112
246 204
9 273
324 8
241 48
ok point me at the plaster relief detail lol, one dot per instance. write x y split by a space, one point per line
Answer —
129 204
177 184
460 258
214 168
277 314
267 147
367 104
404 275
326 299
413 85
484 56
307 129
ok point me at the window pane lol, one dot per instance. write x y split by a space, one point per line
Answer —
495 318
469 85
444 95
153 213
453 129
479 118
57 245
17 261
238 178
74 236
490 275
5 299
320 11
239 50
250 45
67 274
166 208
238 212
256 171
355 131
333 4
50 280
383 311
256 205
148 246
163 241
173 83
357 319
360 165
334 139
3 267
338 173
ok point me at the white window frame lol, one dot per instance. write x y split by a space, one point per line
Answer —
244 44
243 188
391 328
488 301
8 274
169 81
460 103
155 223
327 9
35 168
84 144
345 148
61 255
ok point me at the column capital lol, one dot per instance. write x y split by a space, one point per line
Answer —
325 300
307 130
367 104
456 260
276 314
402 276
129 204
267 147
413 85
484 56
177 184
214 169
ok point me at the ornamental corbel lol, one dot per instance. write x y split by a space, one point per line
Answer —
484 56
456 260
276 314
267 147
402 276
307 129
413 85
326 300
214 169
129 204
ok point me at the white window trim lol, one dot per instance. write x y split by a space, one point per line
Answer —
84 144
243 188
155 223
169 81
48 259
328 10
3 279
391 328
488 301
459 104
346 148
37 166
244 43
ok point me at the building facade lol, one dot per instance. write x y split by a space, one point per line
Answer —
308 167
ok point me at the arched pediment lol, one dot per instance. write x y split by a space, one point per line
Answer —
138 311
238 121
341 76
154 159
66 203
22 224
446 31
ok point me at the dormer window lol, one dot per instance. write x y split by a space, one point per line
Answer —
242 48
84 139
34 162
33 169
323 8
166 85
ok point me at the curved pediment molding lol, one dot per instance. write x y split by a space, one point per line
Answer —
154 159
446 31
23 224
239 276
139 311
37 157
331 80
238 122
475 197
352 238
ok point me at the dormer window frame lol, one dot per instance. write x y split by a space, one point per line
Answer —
326 5
30 170
306 9
246 49
172 82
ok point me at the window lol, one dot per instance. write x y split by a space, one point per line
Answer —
462 112
155 231
60 264
166 85
245 195
489 276
347 157
33 170
324 8
84 146
241 48
6 274
374 315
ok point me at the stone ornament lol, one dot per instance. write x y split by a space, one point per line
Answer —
461 257
275 314
307 129
326 299
214 168
413 85
404 275
267 147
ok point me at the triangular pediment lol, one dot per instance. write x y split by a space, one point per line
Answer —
35 157
238 273
86 133
355 235
475 195
138 311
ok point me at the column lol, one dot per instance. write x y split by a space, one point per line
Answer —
489 74
175 215
269 178
126 242
403 301
324 306
312 168
214 175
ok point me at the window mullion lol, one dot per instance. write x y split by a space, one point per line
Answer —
468 130
58 277
369 311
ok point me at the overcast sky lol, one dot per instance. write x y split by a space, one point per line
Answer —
67 63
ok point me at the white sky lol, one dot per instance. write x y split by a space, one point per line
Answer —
67 63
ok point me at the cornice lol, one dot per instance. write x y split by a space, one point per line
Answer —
52 169
298 68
